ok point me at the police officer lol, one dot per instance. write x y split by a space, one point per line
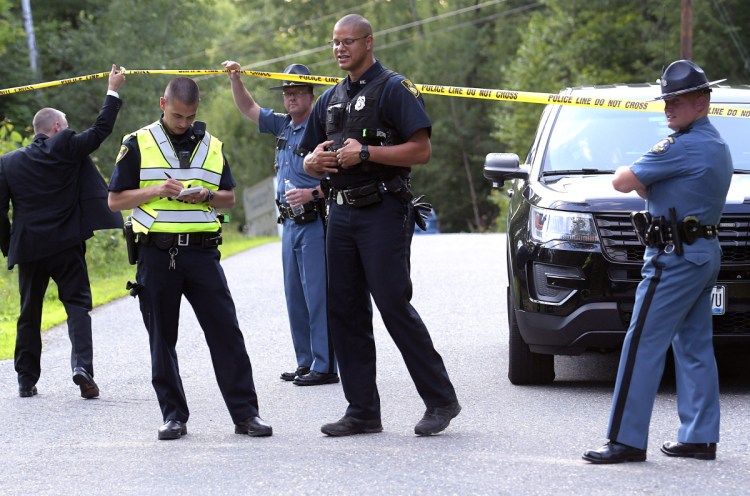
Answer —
303 236
178 254
684 179
367 132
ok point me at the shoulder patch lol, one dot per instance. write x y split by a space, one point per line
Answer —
123 152
663 145
410 87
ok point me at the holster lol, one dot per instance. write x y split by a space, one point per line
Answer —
309 215
675 232
131 241
658 231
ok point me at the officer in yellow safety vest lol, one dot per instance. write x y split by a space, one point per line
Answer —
173 174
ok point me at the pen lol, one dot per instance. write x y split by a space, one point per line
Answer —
167 174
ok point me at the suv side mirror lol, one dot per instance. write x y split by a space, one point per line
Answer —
499 167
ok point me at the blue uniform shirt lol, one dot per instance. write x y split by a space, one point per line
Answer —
288 160
400 109
689 171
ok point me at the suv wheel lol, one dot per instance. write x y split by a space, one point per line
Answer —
524 366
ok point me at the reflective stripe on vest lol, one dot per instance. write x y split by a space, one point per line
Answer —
157 157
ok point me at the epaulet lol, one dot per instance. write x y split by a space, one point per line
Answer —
682 131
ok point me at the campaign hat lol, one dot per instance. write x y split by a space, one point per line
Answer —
681 77
298 70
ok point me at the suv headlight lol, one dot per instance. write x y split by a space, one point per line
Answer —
554 225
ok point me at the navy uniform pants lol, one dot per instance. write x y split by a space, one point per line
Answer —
304 262
69 271
672 307
199 276
368 252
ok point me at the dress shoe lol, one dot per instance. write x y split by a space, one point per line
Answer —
83 379
348 426
25 392
290 376
254 426
700 451
436 419
615 453
172 429
314 378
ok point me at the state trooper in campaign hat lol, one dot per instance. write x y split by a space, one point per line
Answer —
681 77
298 70
684 179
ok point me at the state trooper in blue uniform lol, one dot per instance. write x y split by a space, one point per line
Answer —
303 235
684 179
178 254
366 133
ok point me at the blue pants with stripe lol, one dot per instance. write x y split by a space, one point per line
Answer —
672 307
304 262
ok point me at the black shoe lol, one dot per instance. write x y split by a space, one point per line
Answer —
172 429
254 426
700 451
82 378
347 426
436 419
24 392
290 376
314 378
615 453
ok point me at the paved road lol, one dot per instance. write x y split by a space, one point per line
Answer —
507 440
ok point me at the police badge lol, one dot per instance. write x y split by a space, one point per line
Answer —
123 151
662 146
360 104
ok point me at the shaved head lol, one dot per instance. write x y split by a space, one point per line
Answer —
45 120
356 22
183 89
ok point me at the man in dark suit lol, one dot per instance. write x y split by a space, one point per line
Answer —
59 200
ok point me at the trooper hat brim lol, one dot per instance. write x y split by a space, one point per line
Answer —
293 84
688 90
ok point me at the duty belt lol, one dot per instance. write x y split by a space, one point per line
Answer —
286 212
170 240
369 194
662 232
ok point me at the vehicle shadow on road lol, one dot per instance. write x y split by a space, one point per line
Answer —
594 370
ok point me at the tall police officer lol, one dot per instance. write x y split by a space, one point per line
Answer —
303 239
178 254
685 179
367 132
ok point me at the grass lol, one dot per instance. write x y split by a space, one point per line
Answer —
108 272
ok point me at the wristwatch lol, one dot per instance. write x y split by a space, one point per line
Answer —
210 196
364 153
315 194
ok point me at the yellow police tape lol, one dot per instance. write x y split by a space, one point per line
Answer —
428 89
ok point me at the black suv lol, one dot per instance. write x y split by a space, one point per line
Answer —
573 257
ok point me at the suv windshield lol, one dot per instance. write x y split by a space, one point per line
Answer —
600 140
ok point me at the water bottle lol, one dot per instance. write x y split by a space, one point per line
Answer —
288 186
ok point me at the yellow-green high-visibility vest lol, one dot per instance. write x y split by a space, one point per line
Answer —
157 157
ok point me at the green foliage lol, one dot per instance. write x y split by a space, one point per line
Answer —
513 44
10 138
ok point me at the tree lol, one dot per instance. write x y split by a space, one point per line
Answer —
503 44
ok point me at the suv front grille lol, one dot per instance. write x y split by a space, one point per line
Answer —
621 245
732 323
618 238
